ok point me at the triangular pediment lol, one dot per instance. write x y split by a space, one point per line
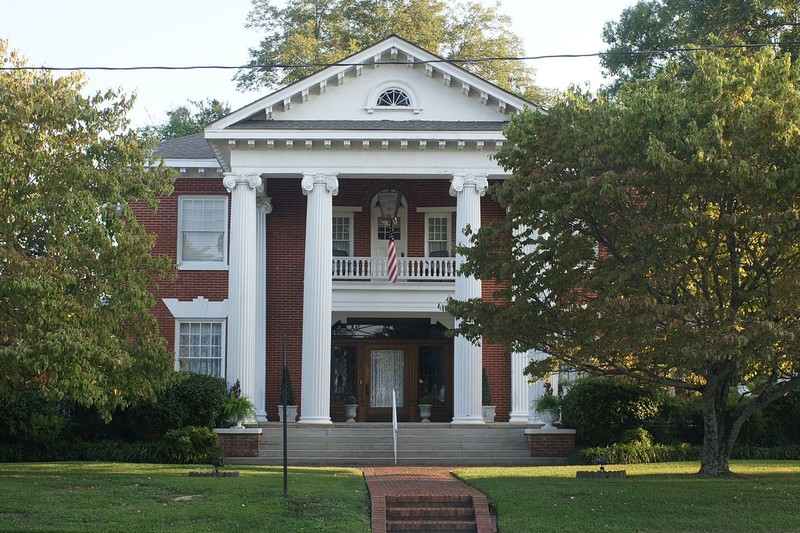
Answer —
346 102
347 90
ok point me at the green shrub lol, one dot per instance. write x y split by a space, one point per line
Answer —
190 445
636 436
287 382
190 400
602 408
622 454
28 419
486 390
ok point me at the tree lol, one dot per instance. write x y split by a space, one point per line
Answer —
655 234
183 121
307 34
75 267
663 25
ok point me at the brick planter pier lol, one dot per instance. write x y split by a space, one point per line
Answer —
551 445
239 442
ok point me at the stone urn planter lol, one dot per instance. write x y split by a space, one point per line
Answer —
488 413
351 409
425 408
549 418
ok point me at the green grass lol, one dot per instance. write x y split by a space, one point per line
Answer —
761 496
141 497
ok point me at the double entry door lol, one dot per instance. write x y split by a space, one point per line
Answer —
383 372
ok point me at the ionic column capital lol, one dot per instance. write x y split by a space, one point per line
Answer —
461 181
232 179
329 181
264 205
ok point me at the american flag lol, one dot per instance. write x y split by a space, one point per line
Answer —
392 257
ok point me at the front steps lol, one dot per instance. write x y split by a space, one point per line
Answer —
417 444
426 512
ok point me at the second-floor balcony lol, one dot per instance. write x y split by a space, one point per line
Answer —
408 268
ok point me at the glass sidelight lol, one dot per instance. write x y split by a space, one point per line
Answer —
343 372
431 376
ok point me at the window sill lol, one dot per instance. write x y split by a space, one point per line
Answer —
202 266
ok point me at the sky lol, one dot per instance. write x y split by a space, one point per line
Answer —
59 33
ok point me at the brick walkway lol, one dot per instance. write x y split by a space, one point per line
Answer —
431 483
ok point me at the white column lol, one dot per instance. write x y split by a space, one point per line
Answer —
315 394
467 356
263 208
242 281
520 405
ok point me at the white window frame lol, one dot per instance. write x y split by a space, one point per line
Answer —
349 217
347 212
202 265
438 212
223 340
199 310
413 100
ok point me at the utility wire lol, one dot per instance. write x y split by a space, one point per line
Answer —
431 61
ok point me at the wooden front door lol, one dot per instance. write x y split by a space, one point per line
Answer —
386 370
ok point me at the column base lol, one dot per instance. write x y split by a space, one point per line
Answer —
317 420
471 420
518 417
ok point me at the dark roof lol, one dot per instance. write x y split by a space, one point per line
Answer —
371 125
189 147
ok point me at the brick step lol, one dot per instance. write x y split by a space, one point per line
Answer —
431 526
444 499
430 513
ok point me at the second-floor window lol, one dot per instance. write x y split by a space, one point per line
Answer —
342 235
437 231
203 232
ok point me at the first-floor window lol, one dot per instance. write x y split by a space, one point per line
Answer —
200 347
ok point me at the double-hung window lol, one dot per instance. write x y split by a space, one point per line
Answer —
343 235
201 346
202 232
437 234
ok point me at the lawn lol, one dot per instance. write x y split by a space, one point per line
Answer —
761 496
142 497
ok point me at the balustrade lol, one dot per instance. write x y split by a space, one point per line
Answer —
409 268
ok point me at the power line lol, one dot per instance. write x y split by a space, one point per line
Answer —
432 61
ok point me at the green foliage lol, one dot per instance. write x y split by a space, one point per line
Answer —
601 409
76 268
547 402
636 436
623 454
663 25
309 33
352 400
486 389
187 120
190 445
426 400
286 384
654 234
190 400
642 453
29 420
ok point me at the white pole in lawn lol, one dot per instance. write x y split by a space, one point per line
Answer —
394 425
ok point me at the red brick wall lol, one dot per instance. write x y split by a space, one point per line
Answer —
213 285
285 256
239 444
551 444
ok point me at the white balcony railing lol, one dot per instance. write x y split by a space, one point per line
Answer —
408 268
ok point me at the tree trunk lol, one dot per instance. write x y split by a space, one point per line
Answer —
716 448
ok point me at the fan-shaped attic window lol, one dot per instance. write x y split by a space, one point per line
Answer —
393 98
